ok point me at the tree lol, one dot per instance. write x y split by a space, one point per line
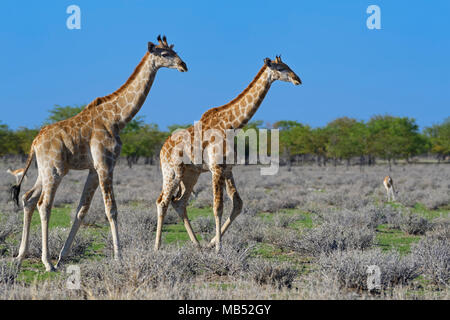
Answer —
319 141
251 149
131 140
141 140
287 137
301 141
439 137
134 125
394 138
7 140
150 142
174 127
24 138
347 139
286 124
59 113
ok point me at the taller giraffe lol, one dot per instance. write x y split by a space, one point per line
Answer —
183 176
90 140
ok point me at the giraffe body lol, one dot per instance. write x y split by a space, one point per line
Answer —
89 140
180 178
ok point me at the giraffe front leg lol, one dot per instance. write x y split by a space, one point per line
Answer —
237 206
85 202
161 211
217 184
180 204
106 185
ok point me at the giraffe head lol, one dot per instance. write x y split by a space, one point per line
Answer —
281 71
165 56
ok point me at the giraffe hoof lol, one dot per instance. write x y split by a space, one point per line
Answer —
58 265
50 268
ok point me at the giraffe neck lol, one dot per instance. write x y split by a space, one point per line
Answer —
130 97
244 106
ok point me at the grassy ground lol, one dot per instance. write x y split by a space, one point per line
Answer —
32 269
177 233
387 239
394 239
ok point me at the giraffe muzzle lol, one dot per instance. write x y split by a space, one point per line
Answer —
182 67
296 80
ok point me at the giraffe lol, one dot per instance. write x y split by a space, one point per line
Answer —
389 186
17 174
182 177
89 141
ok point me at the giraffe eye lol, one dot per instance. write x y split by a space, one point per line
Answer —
165 54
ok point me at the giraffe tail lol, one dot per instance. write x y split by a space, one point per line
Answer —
15 190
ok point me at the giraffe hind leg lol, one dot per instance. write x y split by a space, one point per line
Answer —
90 187
29 200
181 201
44 206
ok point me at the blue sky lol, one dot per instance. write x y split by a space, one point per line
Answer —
347 69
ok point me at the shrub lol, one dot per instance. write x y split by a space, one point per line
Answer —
433 255
173 268
408 222
350 267
56 239
275 274
203 224
440 229
414 224
136 229
329 237
9 225
283 220
8 271
247 229
229 261
340 230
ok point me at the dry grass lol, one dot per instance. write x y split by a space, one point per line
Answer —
307 233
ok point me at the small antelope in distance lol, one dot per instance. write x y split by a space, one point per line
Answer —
389 185
17 174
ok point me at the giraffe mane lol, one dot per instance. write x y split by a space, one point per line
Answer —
243 93
116 93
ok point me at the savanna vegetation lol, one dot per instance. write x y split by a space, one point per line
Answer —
308 232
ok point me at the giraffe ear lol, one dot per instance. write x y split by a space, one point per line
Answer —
171 46
267 62
151 46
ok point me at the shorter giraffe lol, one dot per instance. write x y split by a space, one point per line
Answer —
17 174
179 178
389 185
